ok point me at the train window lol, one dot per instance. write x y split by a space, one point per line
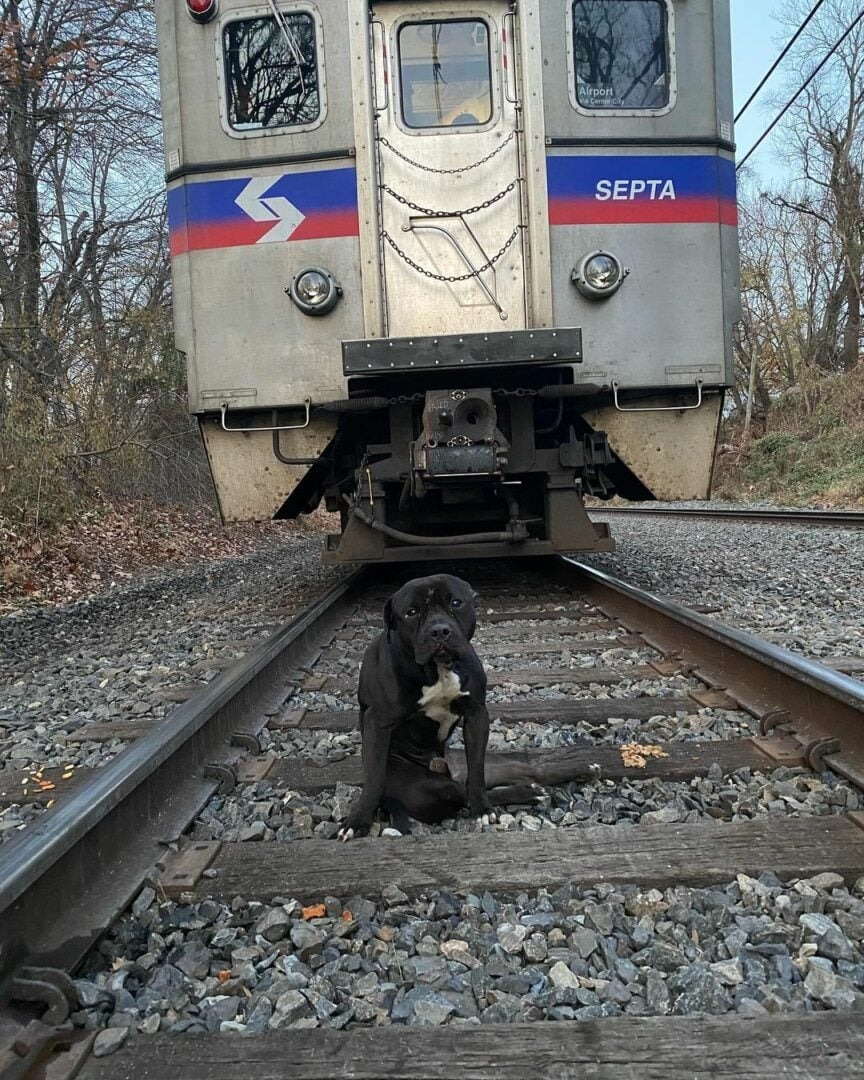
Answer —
445 72
272 77
621 55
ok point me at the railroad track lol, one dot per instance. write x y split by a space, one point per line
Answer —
570 651
835 519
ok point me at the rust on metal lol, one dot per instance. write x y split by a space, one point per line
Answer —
45 986
771 719
225 775
769 682
670 666
314 683
288 718
845 519
714 697
631 641
251 770
182 870
246 740
780 749
49 1052
817 752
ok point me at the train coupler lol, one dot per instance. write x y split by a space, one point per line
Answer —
460 439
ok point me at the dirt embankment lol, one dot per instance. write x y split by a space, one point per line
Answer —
102 547
808 450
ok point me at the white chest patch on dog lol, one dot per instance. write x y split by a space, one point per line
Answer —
436 701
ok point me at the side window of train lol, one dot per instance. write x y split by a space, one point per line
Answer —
621 56
445 73
271 74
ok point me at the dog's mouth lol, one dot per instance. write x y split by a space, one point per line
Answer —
434 650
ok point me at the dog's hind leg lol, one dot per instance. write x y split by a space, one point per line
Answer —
398 814
424 795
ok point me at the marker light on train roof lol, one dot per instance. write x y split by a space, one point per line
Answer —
201 10
599 275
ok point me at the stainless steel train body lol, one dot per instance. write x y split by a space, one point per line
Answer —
452 265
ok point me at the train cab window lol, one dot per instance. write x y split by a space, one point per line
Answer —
272 77
620 52
445 71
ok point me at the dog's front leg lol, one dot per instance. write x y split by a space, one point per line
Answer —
476 732
375 748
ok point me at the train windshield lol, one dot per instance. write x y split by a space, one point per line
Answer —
271 72
446 73
621 54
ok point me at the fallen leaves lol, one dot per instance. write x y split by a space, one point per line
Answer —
103 547
635 755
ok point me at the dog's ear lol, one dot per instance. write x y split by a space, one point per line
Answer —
388 617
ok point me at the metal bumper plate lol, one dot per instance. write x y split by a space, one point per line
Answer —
495 349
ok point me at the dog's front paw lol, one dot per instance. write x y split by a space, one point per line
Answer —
353 827
483 811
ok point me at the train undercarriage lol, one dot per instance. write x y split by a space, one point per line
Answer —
478 463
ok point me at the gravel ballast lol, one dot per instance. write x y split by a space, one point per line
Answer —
264 812
752 947
114 657
798 586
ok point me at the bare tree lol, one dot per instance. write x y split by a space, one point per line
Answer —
824 149
86 365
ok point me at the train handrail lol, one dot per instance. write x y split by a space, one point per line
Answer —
307 402
510 57
385 74
414 224
658 408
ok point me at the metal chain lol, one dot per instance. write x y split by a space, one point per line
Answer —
451 278
451 213
446 172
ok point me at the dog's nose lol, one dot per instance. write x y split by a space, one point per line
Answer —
439 632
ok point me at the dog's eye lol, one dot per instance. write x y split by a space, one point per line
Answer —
411 613
456 602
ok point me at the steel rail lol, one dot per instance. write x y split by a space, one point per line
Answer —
845 519
824 707
71 874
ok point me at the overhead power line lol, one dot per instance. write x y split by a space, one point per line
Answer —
798 93
779 60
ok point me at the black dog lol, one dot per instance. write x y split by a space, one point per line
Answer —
418 679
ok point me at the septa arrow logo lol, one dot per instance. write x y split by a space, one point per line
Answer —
282 212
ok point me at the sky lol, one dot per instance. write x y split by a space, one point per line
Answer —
757 40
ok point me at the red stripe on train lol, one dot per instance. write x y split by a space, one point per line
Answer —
247 233
642 212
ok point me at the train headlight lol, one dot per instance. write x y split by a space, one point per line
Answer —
599 275
314 290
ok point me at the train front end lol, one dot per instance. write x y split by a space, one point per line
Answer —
449 268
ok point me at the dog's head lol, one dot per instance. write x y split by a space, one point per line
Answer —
432 617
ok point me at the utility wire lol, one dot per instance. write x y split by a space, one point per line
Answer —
778 61
797 94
